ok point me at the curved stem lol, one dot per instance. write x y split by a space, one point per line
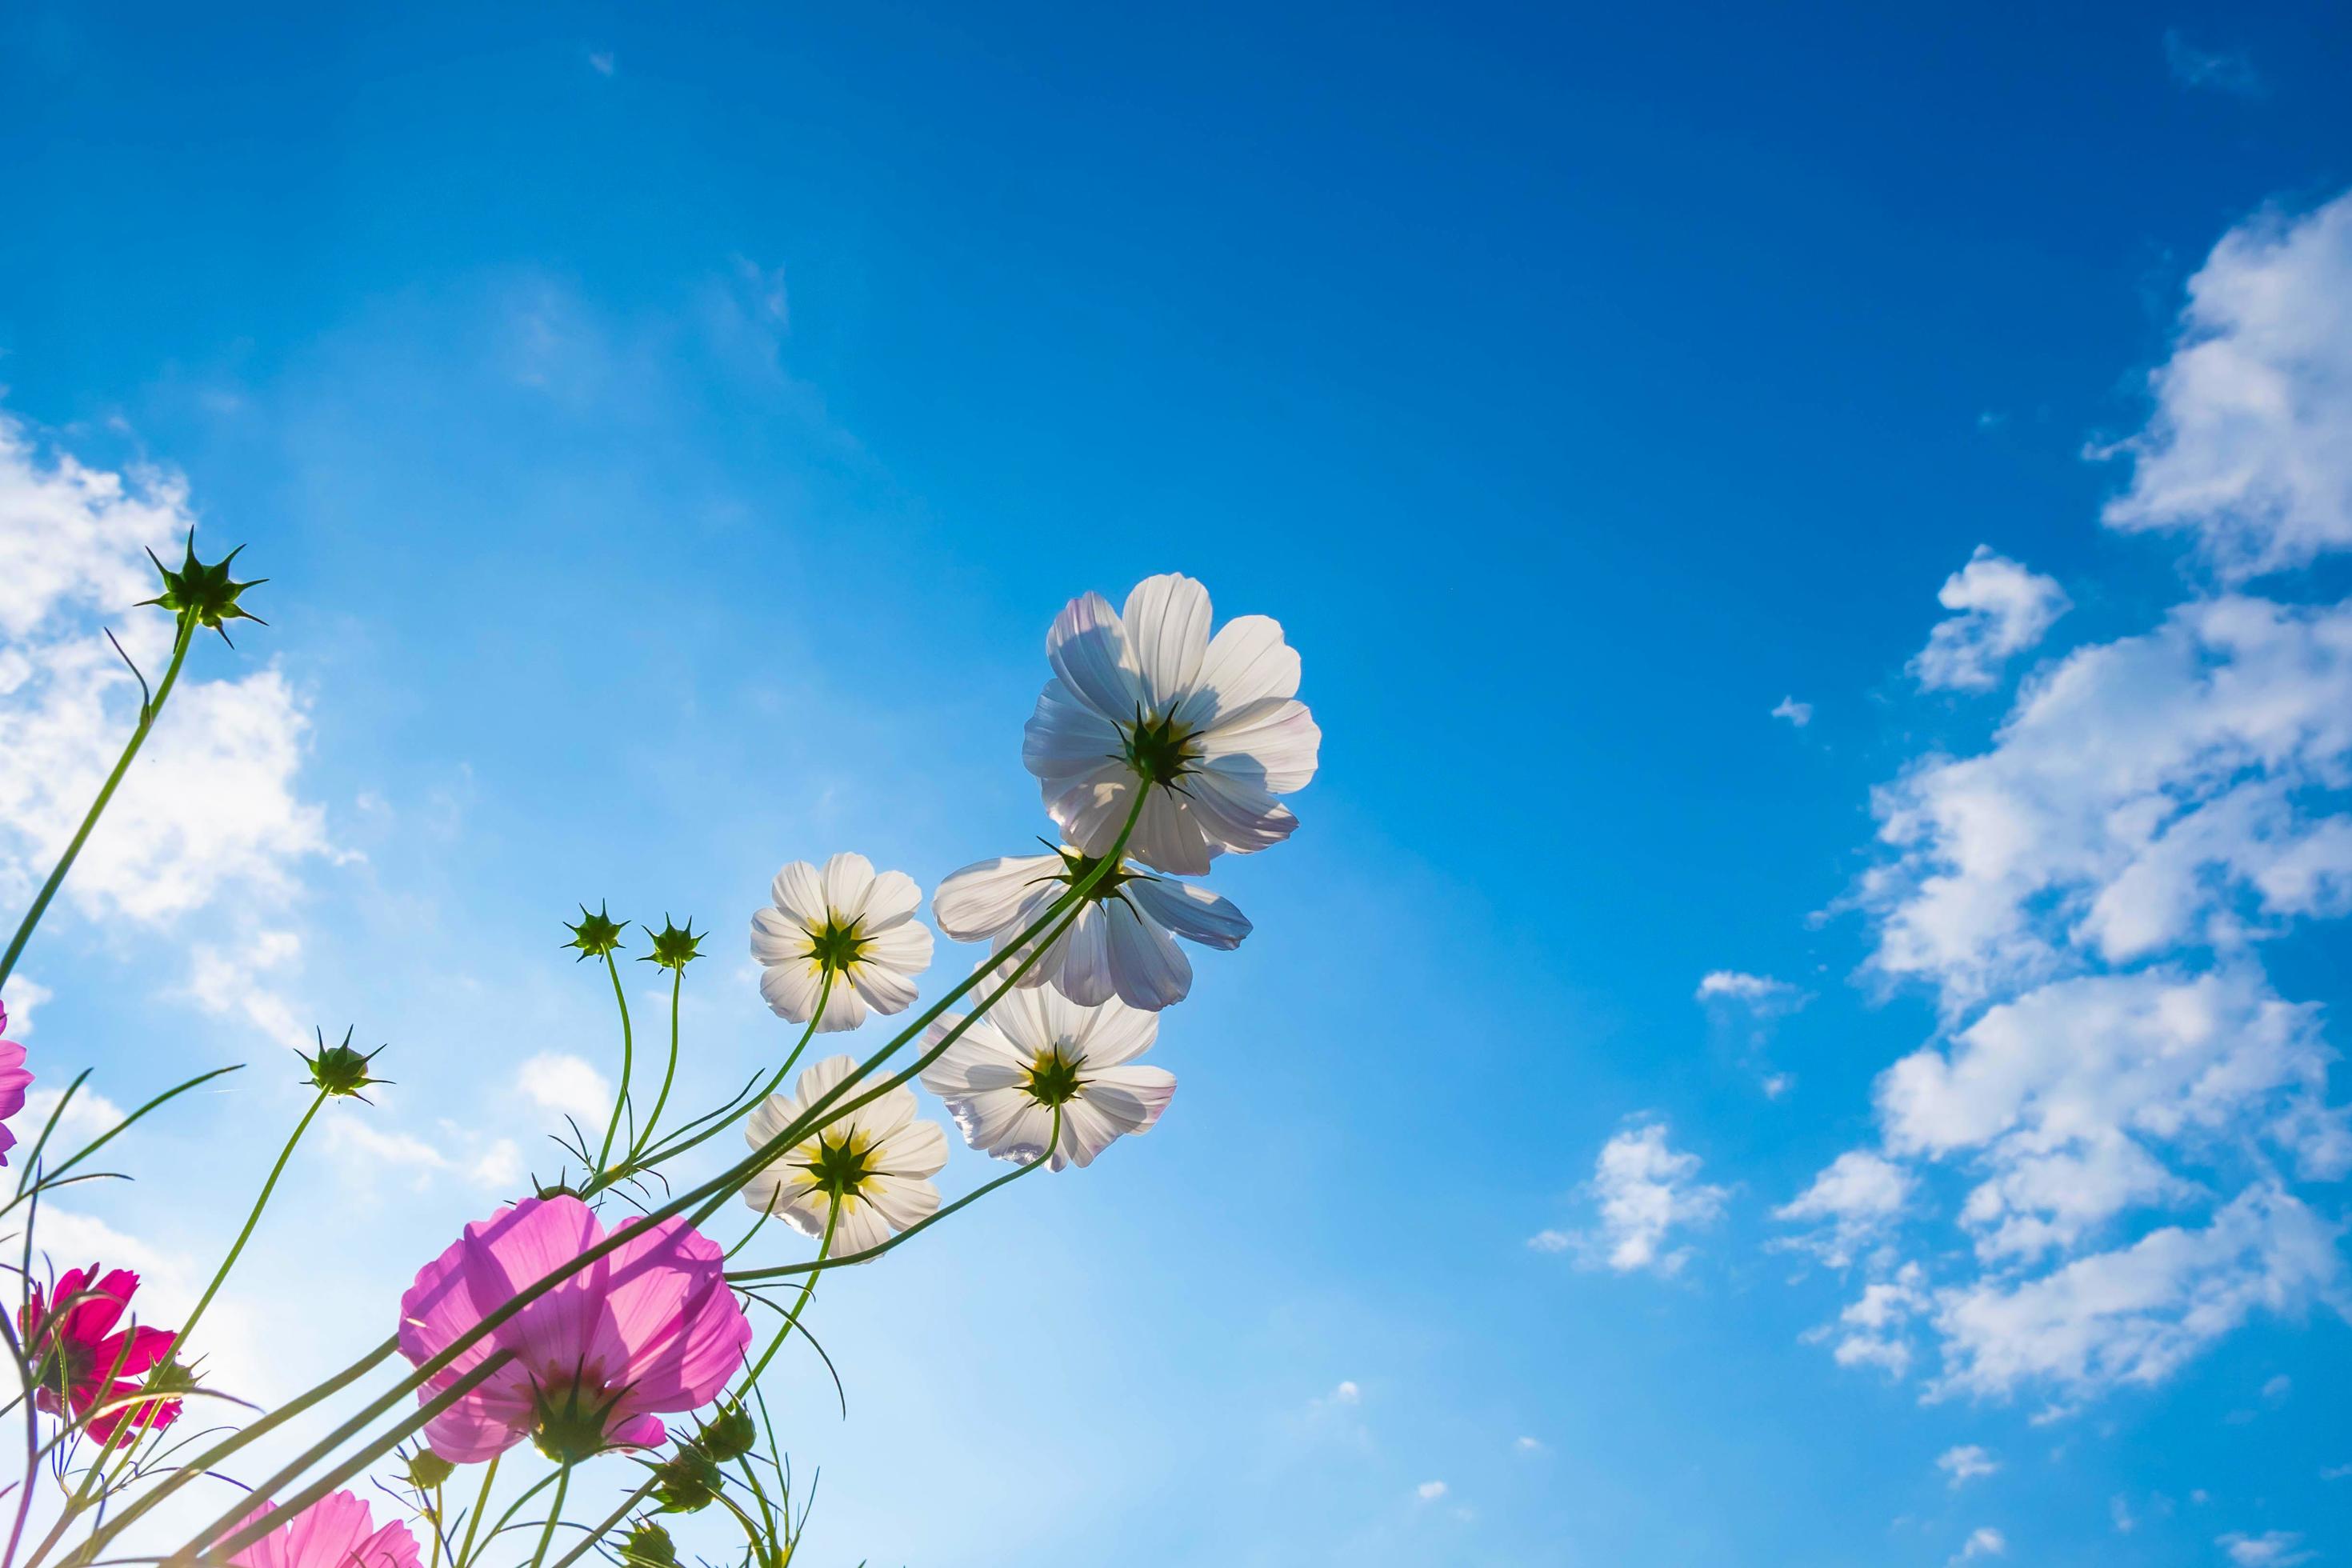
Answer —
646 1135
791 1319
149 712
515 1507
188 1323
611 1520
554 1513
481 1507
628 1054
720 1119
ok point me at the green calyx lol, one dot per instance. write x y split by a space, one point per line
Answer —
425 1470
842 1168
673 947
1053 1078
836 947
729 1435
1078 867
1159 750
340 1069
201 595
568 1420
686 1481
596 934
647 1546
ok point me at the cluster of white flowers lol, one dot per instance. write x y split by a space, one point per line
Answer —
1154 741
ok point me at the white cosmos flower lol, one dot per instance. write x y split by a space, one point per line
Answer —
876 1162
1039 1049
1119 945
1213 727
847 921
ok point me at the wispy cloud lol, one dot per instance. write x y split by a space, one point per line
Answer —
1645 1191
1998 610
1966 1463
2216 70
1797 714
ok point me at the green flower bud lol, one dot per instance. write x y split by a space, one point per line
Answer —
339 1069
730 1436
427 1470
596 934
673 947
203 595
647 1546
686 1481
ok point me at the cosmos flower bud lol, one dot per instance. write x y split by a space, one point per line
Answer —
729 1435
339 1069
203 594
647 1546
686 1481
596 934
673 947
427 1470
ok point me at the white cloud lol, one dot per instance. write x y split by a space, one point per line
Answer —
212 805
1850 1204
25 997
1528 1444
1430 1491
2219 70
1985 1541
2278 1388
1999 609
2135 1314
567 1085
378 1157
1966 1463
1645 1191
1347 1393
1551 1241
87 1116
2246 444
1745 1009
2270 1549
1797 714
1761 991
602 62
2120 1509
1876 1328
230 983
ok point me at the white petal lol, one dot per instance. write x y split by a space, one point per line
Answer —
1084 972
1091 808
770 1117
905 948
991 896
886 1113
881 987
1167 626
893 898
845 1009
848 880
1147 968
861 1226
981 1058
1248 662
1064 737
1168 836
901 1203
819 1076
1113 1033
1239 818
1123 1100
1273 744
778 938
1034 1020
791 988
800 893
917 1149
1088 648
1190 911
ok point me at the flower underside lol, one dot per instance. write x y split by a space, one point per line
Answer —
1159 750
842 1168
1053 1078
837 946
569 1414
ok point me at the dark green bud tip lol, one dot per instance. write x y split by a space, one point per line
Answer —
203 595
730 1436
686 1481
340 1069
427 1470
673 947
596 934
647 1546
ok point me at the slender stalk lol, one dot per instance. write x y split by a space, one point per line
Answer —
30 1181
481 1507
188 1323
148 713
791 1319
628 1062
554 1513
515 1507
718 1118
765 1214
611 1521
669 1072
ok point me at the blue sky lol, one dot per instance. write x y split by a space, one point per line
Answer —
669 438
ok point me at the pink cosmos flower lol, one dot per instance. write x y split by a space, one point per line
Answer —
651 1326
70 1335
336 1531
14 1081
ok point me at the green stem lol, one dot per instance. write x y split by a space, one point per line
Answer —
554 1513
791 1319
515 1507
765 1214
628 1056
720 1119
611 1521
481 1507
188 1323
646 1135
148 714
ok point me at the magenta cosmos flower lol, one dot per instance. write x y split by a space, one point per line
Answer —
336 1531
14 1081
649 1327
71 1335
